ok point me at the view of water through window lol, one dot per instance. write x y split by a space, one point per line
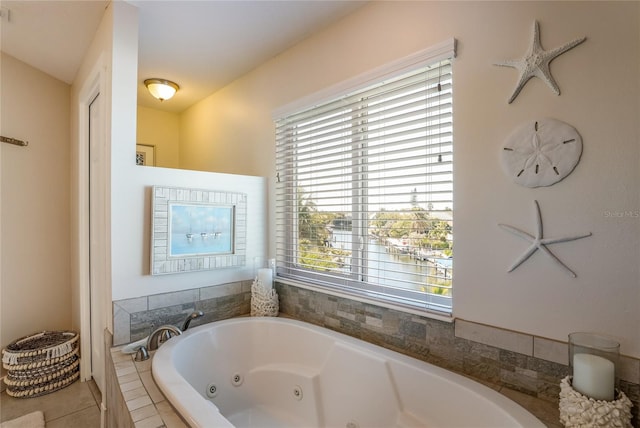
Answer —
392 262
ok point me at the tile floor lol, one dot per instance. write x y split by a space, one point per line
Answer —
76 406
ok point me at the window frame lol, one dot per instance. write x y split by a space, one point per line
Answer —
353 287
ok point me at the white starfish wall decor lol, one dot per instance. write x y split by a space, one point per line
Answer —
538 242
536 62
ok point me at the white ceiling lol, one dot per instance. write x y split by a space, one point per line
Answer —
201 45
51 36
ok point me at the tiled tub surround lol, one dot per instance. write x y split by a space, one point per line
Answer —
519 362
140 397
135 318
523 367
141 404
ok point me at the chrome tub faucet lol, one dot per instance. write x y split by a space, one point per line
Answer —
161 335
192 316
166 332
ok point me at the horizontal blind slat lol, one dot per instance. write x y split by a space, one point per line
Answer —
434 136
347 118
352 99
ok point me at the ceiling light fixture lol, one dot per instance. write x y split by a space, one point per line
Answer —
161 89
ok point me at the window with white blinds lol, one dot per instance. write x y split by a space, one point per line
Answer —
365 190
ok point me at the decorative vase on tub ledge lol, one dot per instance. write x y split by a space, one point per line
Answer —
589 397
264 299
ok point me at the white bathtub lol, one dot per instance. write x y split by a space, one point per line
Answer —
274 372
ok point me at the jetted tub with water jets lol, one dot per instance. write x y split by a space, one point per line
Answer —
275 372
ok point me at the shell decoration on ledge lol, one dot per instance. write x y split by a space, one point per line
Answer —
264 301
580 411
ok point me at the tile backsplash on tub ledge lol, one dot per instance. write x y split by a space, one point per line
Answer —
134 318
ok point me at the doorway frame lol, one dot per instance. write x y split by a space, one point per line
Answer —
95 84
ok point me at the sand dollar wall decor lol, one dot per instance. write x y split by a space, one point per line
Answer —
541 152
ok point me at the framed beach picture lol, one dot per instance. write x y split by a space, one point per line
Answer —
195 229
145 155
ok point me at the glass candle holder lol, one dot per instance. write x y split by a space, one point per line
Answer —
593 362
271 264
258 262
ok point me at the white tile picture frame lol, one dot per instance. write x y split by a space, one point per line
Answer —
211 236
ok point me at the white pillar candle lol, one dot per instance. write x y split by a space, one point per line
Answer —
594 376
265 275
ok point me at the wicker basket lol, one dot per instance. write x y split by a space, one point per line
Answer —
41 363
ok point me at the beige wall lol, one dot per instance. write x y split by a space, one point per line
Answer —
228 132
232 131
162 130
35 226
